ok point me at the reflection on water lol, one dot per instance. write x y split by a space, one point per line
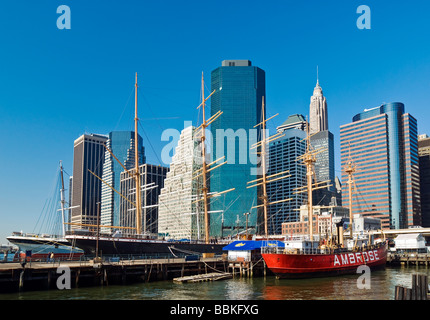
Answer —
337 288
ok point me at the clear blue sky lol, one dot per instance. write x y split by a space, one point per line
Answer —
58 84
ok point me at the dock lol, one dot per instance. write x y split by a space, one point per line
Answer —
15 277
407 259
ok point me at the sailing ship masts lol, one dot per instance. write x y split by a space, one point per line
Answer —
204 168
310 207
309 160
62 199
263 164
137 173
350 170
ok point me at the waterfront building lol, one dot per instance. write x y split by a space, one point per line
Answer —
151 181
180 214
239 92
424 156
283 154
88 154
383 144
122 145
326 219
322 139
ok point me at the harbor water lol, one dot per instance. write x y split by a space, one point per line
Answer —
379 286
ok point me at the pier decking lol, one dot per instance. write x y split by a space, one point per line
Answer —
44 275
408 259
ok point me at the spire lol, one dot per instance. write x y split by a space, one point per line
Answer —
318 83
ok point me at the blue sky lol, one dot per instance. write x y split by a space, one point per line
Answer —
56 84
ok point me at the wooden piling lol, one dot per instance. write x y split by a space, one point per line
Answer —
419 290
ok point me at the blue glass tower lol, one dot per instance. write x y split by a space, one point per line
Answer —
240 88
121 143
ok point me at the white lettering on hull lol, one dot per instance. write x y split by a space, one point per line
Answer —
353 258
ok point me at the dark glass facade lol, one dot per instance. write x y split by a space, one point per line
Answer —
152 181
240 89
88 154
424 156
122 145
283 157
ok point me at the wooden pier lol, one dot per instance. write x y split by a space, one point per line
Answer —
44 275
249 269
407 259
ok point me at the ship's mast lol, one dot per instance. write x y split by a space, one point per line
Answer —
137 173
62 199
350 170
263 164
309 160
265 179
204 168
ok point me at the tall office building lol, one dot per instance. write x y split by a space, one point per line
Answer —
382 142
88 154
424 156
180 214
239 90
122 145
322 139
318 120
151 181
283 154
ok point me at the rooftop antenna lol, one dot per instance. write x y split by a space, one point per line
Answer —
317 75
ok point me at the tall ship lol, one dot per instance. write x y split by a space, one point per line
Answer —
317 257
45 245
134 240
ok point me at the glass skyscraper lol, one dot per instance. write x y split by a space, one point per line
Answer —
383 144
240 88
122 145
283 156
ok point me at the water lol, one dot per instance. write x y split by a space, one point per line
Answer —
336 288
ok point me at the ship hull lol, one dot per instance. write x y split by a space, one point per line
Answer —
324 265
44 248
133 246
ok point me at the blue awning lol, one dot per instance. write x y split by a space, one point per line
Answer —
252 245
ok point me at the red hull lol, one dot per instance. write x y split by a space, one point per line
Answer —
321 265
45 256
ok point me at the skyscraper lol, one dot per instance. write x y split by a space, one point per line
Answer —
180 214
283 154
88 155
322 139
151 181
122 145
239 91
318 120
424 156
382 142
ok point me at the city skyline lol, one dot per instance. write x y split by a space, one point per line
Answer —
58 84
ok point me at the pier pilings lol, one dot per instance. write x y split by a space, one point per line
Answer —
15 277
